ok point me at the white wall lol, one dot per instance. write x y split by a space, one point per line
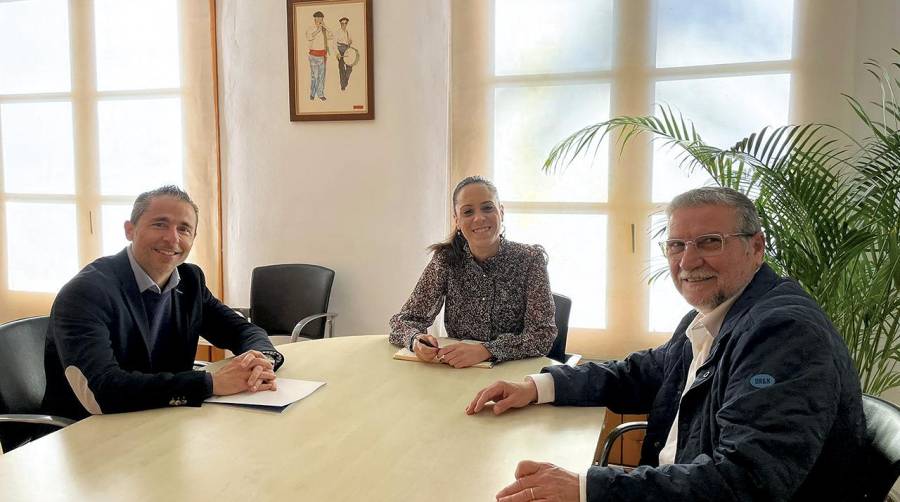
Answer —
361 197
878 31
830 57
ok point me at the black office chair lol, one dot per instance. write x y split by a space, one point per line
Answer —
882 446
558 349
603 459
23 382
292 300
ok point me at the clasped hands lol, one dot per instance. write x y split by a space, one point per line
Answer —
534 480
250 371
458 355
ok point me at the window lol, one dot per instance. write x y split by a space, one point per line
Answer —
97 100
527 73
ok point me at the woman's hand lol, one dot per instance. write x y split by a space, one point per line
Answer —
463 355
423 351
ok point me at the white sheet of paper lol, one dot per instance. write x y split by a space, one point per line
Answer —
289 391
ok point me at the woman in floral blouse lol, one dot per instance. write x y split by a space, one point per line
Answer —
493 290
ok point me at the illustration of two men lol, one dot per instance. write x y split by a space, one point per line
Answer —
319 37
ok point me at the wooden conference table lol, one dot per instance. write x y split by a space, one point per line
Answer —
380 429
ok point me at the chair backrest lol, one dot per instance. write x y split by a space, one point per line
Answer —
22 377
563 308
281 295
883 445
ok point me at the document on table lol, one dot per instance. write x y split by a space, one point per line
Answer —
289 391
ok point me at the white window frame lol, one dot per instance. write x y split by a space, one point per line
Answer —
200 170
629 206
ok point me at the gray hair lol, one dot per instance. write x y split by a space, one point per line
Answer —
143 201
747 217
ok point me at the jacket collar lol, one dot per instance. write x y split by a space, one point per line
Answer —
123 271
762 282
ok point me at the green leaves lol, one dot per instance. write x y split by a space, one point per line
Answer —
829 204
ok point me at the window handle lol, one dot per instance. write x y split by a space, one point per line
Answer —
632 238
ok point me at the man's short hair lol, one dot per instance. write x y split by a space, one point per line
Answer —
318 13
747 217
343 20
143 201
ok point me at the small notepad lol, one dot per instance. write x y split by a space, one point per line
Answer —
405 354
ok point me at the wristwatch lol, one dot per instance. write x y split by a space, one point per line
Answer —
274 357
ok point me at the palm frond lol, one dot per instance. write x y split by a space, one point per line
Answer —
829 203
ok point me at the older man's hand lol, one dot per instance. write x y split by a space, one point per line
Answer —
541 481
505 395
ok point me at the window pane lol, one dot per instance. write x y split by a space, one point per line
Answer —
37 147
137 44
34 47
140 145
702 32
528 123
724 111
113 217
667 306
536 36
576 245
42 247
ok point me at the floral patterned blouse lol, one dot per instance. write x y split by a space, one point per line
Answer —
505 302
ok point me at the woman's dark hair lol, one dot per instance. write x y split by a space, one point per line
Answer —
455 243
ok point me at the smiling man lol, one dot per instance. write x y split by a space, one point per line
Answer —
753 398
123 332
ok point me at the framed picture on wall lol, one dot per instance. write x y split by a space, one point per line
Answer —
330 59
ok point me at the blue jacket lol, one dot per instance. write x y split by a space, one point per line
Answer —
96 342
775 413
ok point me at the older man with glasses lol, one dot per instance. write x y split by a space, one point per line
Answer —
753 398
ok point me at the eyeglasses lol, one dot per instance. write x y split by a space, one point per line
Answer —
706 245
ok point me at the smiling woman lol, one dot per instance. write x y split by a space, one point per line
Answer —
492 290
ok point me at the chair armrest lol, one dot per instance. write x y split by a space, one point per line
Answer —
615 434
36 419
329 324
244 311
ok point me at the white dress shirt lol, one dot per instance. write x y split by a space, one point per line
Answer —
702 333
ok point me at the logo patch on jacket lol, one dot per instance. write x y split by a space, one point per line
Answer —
762 380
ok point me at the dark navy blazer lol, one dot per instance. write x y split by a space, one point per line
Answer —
775 412
96 342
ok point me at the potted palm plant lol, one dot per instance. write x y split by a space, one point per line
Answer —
829 203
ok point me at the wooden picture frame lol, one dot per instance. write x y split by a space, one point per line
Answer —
330 61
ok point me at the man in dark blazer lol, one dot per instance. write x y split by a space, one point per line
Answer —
123 332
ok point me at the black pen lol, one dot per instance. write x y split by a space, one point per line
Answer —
426 343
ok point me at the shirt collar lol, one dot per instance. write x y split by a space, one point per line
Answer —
144 281
711 322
